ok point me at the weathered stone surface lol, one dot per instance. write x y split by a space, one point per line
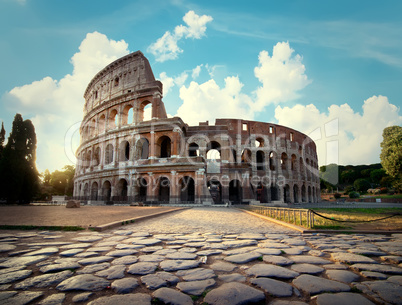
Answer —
142 268
86 254
159 279
95 260
54 299
366 252
14 276
209 252
197 274
43 251
137 299
85 282
223 266
125 260
277 260
293 251
268 251
45 280
374 275
240 243
174 265
120 253
82 297
342 276
241 250
59 267
273 287
307 259
76 245
234 294
195 287
378 268
148 241
242 258
254 236
113 272
22 261
351 258
181 255
171 296
72 204
307 268
273 245
93 268
314 285
384 291
281 302
125 285
266 270
151 258
294 241
88 238
71 252
7 247
21 298
344 298
233 277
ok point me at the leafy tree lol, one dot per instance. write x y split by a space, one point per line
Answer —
18 174
46 177
377 174
361 185
391 154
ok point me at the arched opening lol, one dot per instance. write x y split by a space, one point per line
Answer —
187 189
165 145
262 195
234 154
113 119
145 111
142 191
260 160
272 163
286 193
215 189
274 193
214 151
164 189
293 163
106 191
259 142
142 149
309 194
86 190
284 160
109 154
94 191
127 115
87 159
303 193
124 151
93 127
193 150
246 156
96 157
122 188
101 123
235 192
296 193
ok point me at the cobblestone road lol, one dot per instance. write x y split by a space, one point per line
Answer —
200 256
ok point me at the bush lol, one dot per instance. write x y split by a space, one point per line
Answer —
361 185
337 195
349 189
354 195
383 190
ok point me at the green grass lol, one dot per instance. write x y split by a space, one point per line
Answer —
41 228
361 210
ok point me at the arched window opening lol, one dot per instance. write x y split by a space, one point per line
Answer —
102 122
142 192
274 193
234 154
127 115
127 151
86 190
293 163
259 142
303 193
214 151
187 189
262 195
272 163
165 147
124 148
147 112
284 160
113 119
193 150
122 188
215 189
109 154
106 191
235 191
142 149
246 156
93 127
96 157
164 189
116 82
286 194
260 160
130 116
94 191
296 193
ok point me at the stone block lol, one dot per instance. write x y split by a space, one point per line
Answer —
73 204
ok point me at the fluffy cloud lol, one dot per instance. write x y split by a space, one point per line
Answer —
208 101
59 103
281 75
166 47
342 135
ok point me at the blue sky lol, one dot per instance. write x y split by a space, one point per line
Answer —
332 70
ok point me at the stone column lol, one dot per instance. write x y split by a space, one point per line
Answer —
198 185
174 188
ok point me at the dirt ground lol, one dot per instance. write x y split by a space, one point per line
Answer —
85 216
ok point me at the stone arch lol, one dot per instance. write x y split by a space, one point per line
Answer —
142 189
193 150
96 156
94 191
101 123
303 193
141 110
163 189
260 157
286 193
164 147
127 115
107 190
113 119
274 192
246 156
296 193
109 154
124 151
272 160
259 142
187 189
293 163
235 191
122 189
141 149
284 160
213 151
215 189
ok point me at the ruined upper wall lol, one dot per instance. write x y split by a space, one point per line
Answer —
131 73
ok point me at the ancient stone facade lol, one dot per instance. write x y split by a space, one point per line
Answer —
124 158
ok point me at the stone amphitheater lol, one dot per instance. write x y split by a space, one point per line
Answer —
126 157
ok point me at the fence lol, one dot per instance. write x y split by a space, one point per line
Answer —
301 217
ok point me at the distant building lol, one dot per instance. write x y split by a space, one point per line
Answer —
123 158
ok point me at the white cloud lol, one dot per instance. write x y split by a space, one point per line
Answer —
59 103
196 72
358 136
166 47
168 82
207 101
282 76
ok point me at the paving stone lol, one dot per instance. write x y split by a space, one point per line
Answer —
93 268
82 297
223 266
293 251
86 254
273 287
54 299
125 260
336 266
240 243
234 294
120 253
377 268
123 232
76 246
151 258
141 234
266 270
254 236
273 245
164 251
44 281
159 279
59 267
344 276
88 239
87 282
195 287
195 244
307 268
233 277
99 249
387 291
307 259
367 252
277 260
344 298
22 261
352 258
197 274
395 279
21 298
242 250
71 252
281 302
242 258
268 251
13 269
113 272
164 237
148 241
174 265
392 259
374 275
172 297
314 285
126 285
142 268
7 247
181 255
43 251
95 260
209 252
14 276
294 241
135 298
316 253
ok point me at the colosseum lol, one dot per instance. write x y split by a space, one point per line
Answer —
125 157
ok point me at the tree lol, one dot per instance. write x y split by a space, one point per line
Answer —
377 174
391 154
2 138
361 185
19 180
